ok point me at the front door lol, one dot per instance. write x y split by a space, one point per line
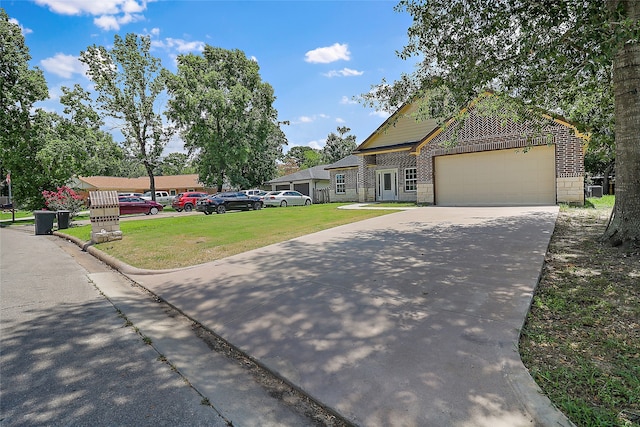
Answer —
387 185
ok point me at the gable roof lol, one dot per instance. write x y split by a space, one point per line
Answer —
351 161
387 139
399 132
314 173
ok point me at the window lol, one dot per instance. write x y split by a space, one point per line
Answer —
410 179
340 184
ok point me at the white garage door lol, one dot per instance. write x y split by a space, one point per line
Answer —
497 178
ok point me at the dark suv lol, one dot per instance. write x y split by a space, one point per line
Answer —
187 201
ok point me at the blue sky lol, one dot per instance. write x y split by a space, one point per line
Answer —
317 55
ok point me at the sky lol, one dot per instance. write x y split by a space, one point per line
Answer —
317 55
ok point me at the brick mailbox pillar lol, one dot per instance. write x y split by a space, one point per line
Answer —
104 212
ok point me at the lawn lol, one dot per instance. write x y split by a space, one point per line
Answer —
581 340
7 215
161 243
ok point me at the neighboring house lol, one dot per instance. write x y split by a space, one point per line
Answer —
306 181
494 162
173 184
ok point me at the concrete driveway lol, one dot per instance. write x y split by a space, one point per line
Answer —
409 319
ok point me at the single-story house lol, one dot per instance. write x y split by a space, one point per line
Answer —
493 162
173 184
305 181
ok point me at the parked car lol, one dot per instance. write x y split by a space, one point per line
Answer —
133 205
162 197
222 202
286 198
187 201
130 194
253 192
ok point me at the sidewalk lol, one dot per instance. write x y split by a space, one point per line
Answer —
68 359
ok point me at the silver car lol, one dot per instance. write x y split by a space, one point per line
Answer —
286 198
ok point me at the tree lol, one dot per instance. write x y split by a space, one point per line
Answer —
312 158
226 117
128 81
20 88
339 146
537 52
297 155
175 164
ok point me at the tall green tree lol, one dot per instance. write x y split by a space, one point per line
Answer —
20 88
176 164
297 154
537 52
226 117
339 145
128 80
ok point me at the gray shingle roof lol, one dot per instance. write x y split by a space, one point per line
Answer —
346 162
316 173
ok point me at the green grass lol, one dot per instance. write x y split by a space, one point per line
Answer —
601 202
182 241
6 215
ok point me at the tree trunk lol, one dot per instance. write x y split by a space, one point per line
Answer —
624 227
152 180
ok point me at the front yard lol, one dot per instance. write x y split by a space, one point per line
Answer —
160 243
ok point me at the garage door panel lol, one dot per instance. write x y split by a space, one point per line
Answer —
501 177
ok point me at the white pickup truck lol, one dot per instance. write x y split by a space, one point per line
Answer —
162 197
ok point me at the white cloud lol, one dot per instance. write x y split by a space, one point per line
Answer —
24 30
339 120
113 22
317 144
346 100
63 65
381 114
155 32
345 72
310 119
179 45
110 14
325 55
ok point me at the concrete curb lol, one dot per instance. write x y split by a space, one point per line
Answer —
111 261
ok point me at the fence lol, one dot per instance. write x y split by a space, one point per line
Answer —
321 195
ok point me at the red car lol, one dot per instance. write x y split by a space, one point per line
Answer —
187 201
135 205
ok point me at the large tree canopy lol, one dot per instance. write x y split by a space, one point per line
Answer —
339 145
543 53
128 80
226 117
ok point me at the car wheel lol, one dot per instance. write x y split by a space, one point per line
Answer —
307 202
257 206
153 211
207 213
221 209
283 204
188 207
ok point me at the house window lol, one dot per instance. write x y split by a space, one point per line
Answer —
340 184
410 179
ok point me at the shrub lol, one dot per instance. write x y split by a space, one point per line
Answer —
63 199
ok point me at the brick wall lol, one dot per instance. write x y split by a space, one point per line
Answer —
480 133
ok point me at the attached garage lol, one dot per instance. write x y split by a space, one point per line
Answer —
497 178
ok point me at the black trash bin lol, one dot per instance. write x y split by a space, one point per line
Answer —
63 219
44 221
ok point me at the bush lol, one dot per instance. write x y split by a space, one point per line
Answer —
64 199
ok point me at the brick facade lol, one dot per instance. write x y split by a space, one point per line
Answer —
477 133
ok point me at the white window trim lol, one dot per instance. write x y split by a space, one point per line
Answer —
414 180
341 185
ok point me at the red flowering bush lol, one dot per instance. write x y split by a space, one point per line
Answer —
65 199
